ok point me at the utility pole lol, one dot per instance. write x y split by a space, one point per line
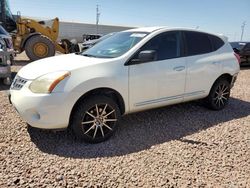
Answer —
97 18
242 30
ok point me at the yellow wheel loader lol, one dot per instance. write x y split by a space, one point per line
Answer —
37 40
33 37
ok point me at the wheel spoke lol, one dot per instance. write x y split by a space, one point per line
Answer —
87 122
104 110
107 126
90 115
223 97
219 88
217 100
222 102
108 120
102 131
90 128
225 93
97 110
225 89
109 113
222 88
96 127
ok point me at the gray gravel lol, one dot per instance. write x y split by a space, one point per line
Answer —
184 145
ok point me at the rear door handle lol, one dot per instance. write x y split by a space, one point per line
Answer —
179 68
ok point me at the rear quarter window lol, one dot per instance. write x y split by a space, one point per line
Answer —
197 43
216 42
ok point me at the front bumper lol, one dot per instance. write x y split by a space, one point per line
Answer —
45 111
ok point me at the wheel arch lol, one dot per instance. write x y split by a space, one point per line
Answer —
101 91
225 76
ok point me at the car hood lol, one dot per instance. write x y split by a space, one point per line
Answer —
67 62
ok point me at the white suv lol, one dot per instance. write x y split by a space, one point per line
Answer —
130 71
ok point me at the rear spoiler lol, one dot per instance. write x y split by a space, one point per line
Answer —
223 37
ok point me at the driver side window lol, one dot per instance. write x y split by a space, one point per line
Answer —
166 46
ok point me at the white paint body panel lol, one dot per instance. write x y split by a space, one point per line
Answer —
154 83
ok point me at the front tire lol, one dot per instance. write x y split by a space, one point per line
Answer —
95 119
38 47
219 95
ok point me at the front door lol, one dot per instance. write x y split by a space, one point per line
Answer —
160 82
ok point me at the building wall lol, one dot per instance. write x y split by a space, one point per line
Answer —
72 30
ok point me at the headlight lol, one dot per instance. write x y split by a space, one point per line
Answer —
47 82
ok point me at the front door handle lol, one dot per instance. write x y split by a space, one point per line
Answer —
179 68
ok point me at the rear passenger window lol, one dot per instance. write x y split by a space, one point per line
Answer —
197 43
216 41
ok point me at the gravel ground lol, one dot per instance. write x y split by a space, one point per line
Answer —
184 145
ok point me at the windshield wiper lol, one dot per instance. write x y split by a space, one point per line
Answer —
88 55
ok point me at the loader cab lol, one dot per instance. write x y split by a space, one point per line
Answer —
6 18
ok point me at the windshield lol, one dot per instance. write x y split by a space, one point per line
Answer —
116 45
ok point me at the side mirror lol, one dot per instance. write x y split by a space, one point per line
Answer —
143 57
147 55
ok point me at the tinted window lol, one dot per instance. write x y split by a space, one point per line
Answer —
247 47
166 45
216 41
3 31
197 43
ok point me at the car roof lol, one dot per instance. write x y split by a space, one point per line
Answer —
145 29
165 28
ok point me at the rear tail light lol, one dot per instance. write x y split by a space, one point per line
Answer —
237 57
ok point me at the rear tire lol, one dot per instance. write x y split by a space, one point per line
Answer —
219 95
38 47
95 119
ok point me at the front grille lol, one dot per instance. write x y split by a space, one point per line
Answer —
18 83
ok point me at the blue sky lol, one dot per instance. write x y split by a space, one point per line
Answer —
218 16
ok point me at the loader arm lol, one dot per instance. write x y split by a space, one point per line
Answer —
25 25
28 27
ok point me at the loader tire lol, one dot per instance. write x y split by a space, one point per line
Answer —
38 47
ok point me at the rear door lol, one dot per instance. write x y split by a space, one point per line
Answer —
203 64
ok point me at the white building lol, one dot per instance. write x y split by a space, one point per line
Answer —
74 30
